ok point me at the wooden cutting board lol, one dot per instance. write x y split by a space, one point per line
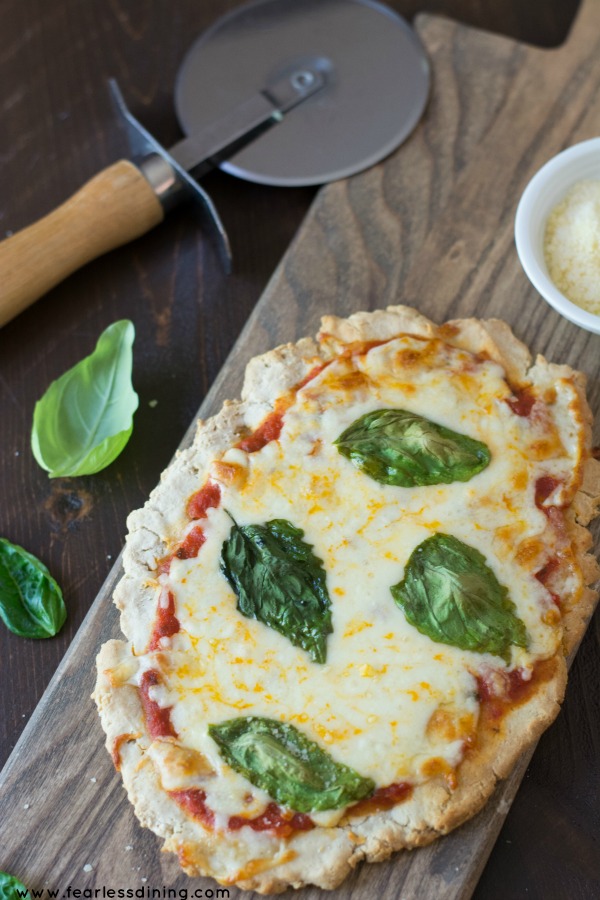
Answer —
431 227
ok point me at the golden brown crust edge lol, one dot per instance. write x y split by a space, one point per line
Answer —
325 856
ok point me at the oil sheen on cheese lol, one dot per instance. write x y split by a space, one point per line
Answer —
389 702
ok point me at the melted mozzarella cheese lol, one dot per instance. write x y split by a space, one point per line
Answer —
389 702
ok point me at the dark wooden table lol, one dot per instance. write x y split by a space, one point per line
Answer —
56 130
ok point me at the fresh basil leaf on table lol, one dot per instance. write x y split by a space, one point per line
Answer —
450 594
294 770
401 448
279 581
31 602
11 888
85 418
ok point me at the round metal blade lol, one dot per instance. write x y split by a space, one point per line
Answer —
377 82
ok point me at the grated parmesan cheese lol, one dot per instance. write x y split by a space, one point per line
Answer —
572 245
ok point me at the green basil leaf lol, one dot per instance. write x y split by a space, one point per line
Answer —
279 581
294 770
450 594
84 419
11 888
31 602
401 448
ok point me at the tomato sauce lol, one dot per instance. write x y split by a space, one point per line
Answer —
167 623
187 549
158 718
208 497
268 430
500 691
382 798
522 402
545 575
273 819
544 486
193 801
285 824
190 545
312 374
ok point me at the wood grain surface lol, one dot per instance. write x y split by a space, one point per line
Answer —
433 227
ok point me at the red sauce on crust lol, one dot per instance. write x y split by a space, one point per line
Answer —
187 549
522 402
501 691
268 430
158 718
545 575
167 623
270 427
312 374
193 803
190 545
556 517
544 486
273 819
285 824
382 798
208 497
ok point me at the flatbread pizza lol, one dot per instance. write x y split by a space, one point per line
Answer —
347 605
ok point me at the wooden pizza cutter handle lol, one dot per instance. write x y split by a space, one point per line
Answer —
111 209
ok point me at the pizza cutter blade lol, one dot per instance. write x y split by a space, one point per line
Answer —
375 85
280 92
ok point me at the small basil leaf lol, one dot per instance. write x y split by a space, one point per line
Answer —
84 419
11 888
31 602
279 581
294 770
401 448
450 594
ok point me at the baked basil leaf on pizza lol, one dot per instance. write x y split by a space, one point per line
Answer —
450 594
398 447
347 605
279 581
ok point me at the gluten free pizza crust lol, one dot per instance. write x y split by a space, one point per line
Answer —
348 604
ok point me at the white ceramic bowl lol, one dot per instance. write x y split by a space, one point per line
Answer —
545 190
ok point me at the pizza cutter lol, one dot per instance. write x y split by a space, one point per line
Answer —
280 92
